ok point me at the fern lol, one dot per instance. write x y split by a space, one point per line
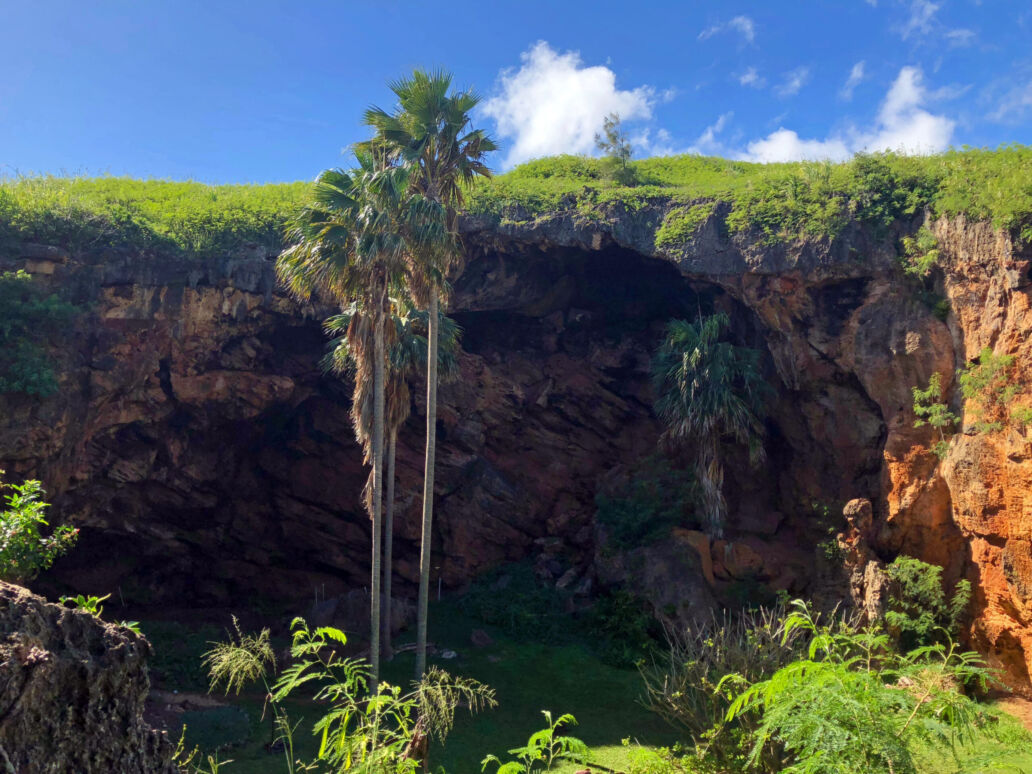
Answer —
855 705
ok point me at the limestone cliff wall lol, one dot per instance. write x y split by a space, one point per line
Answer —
206 458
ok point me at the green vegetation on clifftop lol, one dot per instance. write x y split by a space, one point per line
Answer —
777 202
780 201
187 218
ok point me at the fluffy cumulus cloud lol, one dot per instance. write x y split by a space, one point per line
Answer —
902 124
555 104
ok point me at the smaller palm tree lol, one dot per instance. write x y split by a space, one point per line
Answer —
706 389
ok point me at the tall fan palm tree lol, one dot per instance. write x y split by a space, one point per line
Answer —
408 357
430 133
707 388
349 245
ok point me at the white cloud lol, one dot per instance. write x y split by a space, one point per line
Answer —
856 75
555 104
960 38
922 12
740 24
794 81
706 144
786 145
1014 104
902 125
752 78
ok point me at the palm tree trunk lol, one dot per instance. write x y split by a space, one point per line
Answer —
388 547
378 423
428 487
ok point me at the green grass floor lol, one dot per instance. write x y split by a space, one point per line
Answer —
527 678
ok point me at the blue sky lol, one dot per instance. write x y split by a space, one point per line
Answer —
266 91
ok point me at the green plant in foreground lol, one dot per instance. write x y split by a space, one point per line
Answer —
988 383
543 749
382 732
855 705
931 410
919 611
91 605
24 550
87 604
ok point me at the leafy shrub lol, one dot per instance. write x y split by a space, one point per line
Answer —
987 382
919 611
686 689
622 629
853 704
930 410
514 600
543 750
24 550
376 729
920 253
680 225
617 626
27 319
643 508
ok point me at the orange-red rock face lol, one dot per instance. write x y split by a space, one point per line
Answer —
208 459
989 475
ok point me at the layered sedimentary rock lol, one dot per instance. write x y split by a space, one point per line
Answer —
206 457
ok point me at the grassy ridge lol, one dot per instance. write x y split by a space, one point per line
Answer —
185 218
779 202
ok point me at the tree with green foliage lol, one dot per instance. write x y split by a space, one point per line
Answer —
24 550
350 244
988 383
429 135
616 151
854 705
930 410
707 388
28 316
919 612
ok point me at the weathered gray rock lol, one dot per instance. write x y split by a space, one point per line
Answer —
72 691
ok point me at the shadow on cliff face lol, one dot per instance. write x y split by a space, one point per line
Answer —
235 477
